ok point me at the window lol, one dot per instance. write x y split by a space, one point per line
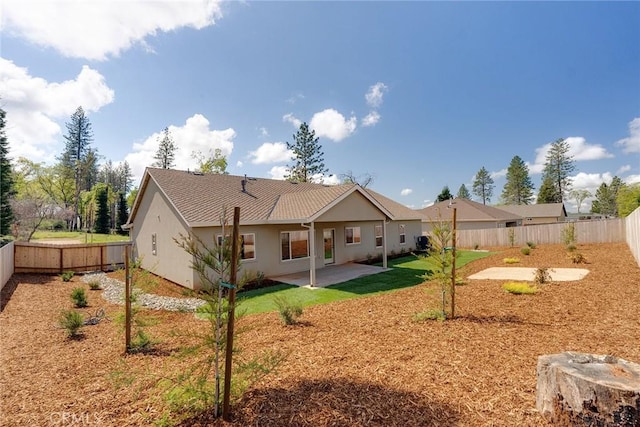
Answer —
352 235
294 244
403 235
378 231
247 245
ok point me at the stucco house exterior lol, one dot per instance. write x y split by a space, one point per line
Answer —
470 215
544 213
286 227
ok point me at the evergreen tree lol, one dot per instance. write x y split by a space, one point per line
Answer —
102 210
548 192
463 193
123 214
605 202
628 199
483 185
6 180
558 166
308 158
165 156
78 159
445 194
518 190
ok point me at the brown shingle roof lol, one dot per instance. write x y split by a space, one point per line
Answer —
543 210
468 210
199 199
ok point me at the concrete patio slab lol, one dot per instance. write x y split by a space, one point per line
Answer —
330 275
528 274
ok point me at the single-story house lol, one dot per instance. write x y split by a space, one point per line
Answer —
470 215
286 227
543 213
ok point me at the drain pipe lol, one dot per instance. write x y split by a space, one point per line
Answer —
312 253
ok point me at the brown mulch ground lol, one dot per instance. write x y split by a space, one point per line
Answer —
361 362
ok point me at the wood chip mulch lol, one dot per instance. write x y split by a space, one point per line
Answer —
361 362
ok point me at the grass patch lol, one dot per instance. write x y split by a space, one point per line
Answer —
519 288
80 236
511 260
404 272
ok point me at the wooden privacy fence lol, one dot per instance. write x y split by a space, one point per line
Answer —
56 258
604 231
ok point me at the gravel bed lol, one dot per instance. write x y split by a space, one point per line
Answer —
113 291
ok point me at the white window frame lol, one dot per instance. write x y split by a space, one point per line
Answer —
242 238
356 236
403 234
290 254
378 236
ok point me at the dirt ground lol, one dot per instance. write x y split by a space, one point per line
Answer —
361 362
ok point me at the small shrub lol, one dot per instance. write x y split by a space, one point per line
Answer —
512 237
519 288
511 260
578 258
141 342
525 251
94 285
476 246
66 276
289 312
542 276
71 321
79 297
431 314
568 234
571 247
531 245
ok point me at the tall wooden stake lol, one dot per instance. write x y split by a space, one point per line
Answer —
127 299
231 316
453 268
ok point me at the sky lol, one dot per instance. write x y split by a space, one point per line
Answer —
419 95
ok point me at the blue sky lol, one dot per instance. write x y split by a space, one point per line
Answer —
418 94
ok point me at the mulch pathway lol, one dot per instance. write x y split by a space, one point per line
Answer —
361 362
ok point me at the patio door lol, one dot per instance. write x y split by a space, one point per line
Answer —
329 245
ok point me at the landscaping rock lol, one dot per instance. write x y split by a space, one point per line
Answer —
578 389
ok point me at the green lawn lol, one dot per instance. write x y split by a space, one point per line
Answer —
79 236
405 272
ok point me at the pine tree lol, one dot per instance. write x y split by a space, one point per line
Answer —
463 193
6 180
123 214
78 159
445 194
308 156
518 190
558 166
548 192
165 156
102 211
483 185
605 202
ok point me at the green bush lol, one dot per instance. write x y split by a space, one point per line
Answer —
66 276
289 312
519 288
531 245
71 321
94 285
141 342
525 251
571 247
79 297
431 314
511 260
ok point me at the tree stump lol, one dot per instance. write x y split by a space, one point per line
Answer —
578 389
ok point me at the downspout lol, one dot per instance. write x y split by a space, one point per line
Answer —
312 253
384 243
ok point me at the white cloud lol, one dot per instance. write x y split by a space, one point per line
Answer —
623 169
333 125
194 135
264 132
326 179
34 106
631 144
375 94
291 119
101 28
632 179
278 172
295 98
426 202
590 181
271 152
239 164
406 191
579 149
498 174
371 119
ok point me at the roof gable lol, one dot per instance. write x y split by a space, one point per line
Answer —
468 210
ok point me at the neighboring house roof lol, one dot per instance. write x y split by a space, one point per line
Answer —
467 210
199 199
543 210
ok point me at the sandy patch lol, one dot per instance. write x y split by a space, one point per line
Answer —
529 273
